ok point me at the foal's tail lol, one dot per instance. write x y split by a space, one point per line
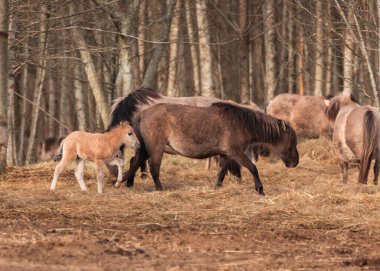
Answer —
370 134
58 157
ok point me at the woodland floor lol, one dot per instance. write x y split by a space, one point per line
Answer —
308 219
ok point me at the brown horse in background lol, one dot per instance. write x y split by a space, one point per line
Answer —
199 132
304 113
356 134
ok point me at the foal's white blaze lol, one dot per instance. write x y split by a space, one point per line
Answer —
100 148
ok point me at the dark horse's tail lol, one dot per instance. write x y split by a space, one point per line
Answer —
369 144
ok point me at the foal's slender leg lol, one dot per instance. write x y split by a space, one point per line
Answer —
242 159
58 170
79 171
100 175
344 167
135 163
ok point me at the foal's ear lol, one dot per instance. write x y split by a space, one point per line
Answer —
124 123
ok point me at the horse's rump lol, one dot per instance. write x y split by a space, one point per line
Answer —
304 113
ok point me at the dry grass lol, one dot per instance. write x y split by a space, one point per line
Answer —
308 220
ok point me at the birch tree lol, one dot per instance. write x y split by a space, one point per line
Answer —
270 49
40 78
244 52
206 83
4 24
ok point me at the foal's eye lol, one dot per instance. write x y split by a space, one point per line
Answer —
130 133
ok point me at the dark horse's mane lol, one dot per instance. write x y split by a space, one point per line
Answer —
124 108
261 125
333 108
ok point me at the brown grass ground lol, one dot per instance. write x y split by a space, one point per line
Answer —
309 220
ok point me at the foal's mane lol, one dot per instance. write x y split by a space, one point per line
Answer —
260 125
333 108
124 108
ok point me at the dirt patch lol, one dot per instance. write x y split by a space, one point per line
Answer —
309 220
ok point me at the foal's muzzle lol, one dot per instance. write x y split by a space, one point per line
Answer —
136 145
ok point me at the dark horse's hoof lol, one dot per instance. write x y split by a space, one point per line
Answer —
129 184
260 190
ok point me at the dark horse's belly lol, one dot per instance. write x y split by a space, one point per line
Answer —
195 155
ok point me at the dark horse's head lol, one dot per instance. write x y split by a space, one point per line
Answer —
276 135
286 147
124 108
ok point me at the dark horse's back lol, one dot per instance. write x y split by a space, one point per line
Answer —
195 132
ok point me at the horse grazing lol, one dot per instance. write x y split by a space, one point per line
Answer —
100 147
126 108
356 135
304 113
199 132
48 149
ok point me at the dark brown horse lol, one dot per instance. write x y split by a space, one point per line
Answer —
304 113
222 129
356 134
125 108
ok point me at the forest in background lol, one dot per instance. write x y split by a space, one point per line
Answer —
67 60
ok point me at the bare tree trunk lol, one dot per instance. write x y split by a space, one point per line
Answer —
173 51
141 34
63 103
4 73
291 36
79 99
11 148
270 48
25 109
207 87
51 100
40 78
300 66
4 67
348 70
93 79
318 77
349 21
244 52
191 28
153 64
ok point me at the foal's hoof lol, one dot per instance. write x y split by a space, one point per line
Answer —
117 184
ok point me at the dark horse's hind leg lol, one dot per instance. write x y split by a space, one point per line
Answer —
376 169
155 164
227 164
135 162
344 167
144 171
242 159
